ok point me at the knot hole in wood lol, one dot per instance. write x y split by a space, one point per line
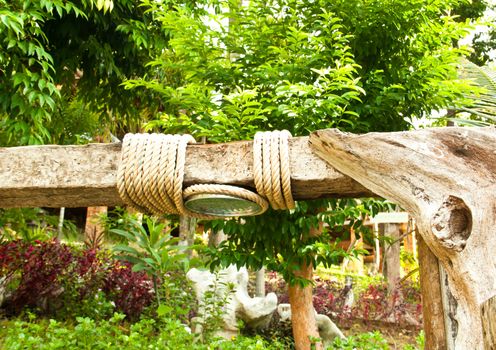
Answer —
452 223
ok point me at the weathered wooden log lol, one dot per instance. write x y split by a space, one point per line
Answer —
488 311
447 179
82 176
432 306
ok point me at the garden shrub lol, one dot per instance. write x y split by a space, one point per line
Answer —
375 304
40 266
365 341
131 291
371 303
179 297
115 333
82 286
57 280
329 298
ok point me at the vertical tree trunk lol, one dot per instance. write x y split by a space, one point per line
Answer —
302 312
187 230
214 239
260 282
60 227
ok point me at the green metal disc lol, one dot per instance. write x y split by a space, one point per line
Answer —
222 205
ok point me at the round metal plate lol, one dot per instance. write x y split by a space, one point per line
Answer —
222 205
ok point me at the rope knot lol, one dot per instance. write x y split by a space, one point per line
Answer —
151 174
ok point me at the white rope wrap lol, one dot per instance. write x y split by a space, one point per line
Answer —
271 168
151 174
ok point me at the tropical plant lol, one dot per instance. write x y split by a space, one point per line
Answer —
212 308
365 341
62 281
481 108
151 249
118 218
31 224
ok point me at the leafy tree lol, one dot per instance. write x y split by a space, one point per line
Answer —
407 57
62 64
28 92
298 65
482 42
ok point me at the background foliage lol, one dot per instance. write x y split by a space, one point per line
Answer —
301 66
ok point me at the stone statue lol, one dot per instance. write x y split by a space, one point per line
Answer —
254 312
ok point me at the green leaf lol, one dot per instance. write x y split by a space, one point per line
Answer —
124 234
139 267
163 310
125 248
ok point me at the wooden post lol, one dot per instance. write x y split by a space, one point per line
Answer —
392 256
408 240
260 282
432 306
377 245
187 230
93 230
446 178
353 264
60 226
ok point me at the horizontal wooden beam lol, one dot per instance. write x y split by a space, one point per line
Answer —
81 176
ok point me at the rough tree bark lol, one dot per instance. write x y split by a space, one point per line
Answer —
489 323
447 179
302 311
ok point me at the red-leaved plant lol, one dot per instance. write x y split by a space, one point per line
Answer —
40 266
372 304
131 291
54 278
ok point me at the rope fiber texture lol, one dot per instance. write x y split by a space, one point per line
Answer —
151 174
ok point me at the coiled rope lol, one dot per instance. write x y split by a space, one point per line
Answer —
151 174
